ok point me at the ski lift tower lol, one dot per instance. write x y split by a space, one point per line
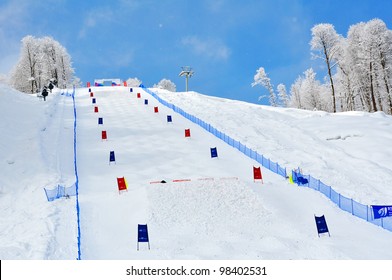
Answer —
187 72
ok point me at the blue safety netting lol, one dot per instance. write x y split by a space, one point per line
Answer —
60 191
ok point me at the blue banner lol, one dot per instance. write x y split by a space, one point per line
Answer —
381 211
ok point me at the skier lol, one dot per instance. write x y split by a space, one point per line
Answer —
51 86
44 93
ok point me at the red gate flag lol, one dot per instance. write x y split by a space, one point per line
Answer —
188 132
155 109
91 94
122 184
96 109
257 174
125 83
104 135
138 95
88 84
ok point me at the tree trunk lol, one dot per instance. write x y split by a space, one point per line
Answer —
372 97
330 79
385 77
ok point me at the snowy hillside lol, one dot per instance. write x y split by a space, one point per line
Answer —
219 212
350 151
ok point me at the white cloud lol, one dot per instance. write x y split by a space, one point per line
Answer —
13 14
95 17
12 21
211 48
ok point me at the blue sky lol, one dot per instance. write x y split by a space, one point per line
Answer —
224 41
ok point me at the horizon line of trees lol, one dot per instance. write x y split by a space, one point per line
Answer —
42 60
358 71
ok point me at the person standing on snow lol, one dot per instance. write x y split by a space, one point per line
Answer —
44 93
51 86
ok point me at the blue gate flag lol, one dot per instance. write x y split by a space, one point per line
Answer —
214 152
112 157
94 101
146 101
142 235
321 225
381 211
89 90
100 120
169 118
131 90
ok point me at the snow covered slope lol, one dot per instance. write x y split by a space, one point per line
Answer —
349 151
35 151
219 213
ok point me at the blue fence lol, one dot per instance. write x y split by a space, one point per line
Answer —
347 204
77 177
60 191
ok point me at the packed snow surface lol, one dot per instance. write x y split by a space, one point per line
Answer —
216 210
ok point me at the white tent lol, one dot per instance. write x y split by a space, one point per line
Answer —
103 82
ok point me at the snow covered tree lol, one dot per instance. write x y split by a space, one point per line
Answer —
369 58
24 74
380 40
134 82
295 93
307 93
40 61
282 94
260 78
65 72
166 84
56 63
325 41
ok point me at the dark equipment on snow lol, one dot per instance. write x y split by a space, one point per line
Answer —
321 225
